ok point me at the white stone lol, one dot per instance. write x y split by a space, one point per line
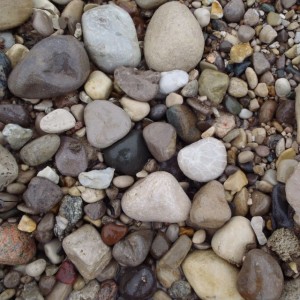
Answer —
245 113
16 135
52 251
123 181
204 160
50 174
203 16
85 248
230 242
199 236
258 224
156 198
36 268
136 110
172 81
98 86
210 276
57 121
110 37
282 87
97 179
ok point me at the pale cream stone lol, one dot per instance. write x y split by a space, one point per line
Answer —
98 86
136 110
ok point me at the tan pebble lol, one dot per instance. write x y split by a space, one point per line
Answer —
27 224
142 174
285 169
259 170
16 188
239 52
98 86
77 111
123 181
264 186
254 105
92 195
241 140
199 236
251 78
261 90
136 110
89 6
73 191
240 201
173 99
209 132
79 283
216 11
245 156
16 54
161 295
286 154
236 182
7 294
97 223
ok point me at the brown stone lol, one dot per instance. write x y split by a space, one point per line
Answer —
112 233
16 247
267 111
161 140
285 112
55 66
260 277
13 113
139 85
261 204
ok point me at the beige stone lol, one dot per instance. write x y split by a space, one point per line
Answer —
27 224
98 86
239 52
236 182
136 110
16 54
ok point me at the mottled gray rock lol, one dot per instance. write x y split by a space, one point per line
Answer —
89 292
234 11
260 63
16 135
8 168
110 37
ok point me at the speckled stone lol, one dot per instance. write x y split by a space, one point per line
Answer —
8 168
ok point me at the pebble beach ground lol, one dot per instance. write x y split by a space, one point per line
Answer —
149 150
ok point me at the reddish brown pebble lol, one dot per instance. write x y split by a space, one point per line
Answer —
108 290
112 233
16 247
67 273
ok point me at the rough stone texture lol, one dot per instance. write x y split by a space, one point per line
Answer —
285 244
5 68
71 158
210 276
42 194
210 208
17 247
213 84
133 250
16 136
260 277
291 290
13 113
231 241
174 39
204 160
90 291
8 168
97 179
157 198
40 150
117 45
139 85
14 13
106 123
53 67
161 140
85 248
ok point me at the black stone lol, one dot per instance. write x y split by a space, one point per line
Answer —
240 69
5 68
157 112
218 25
129 155
225 46
137 283
247 167
280 208
13 113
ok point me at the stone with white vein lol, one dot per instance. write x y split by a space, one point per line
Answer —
57 121
203 160
172 81
97 179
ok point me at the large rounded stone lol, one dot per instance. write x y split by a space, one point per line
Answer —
260 277
14 13
204 160
8 168
16 247
40 150
174 39
106 123
156 198
110 37
55 66
129 155
210 276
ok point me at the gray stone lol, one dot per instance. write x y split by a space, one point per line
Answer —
85 248
97 179
8 168
267 34
31 292
288 3
173 39
16 135
291 290
251 17
245 33
110 37
260 63
40 150
89 292
150 4
234 11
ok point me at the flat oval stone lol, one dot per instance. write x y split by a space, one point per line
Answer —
55 66
129 155
106 123
260 277
57 121
71 158
40 150
9 169
161 140
204 160
113 233
285 112
174 39
7 201
15 114
14 13
42 194
110 37
156 198
17 247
